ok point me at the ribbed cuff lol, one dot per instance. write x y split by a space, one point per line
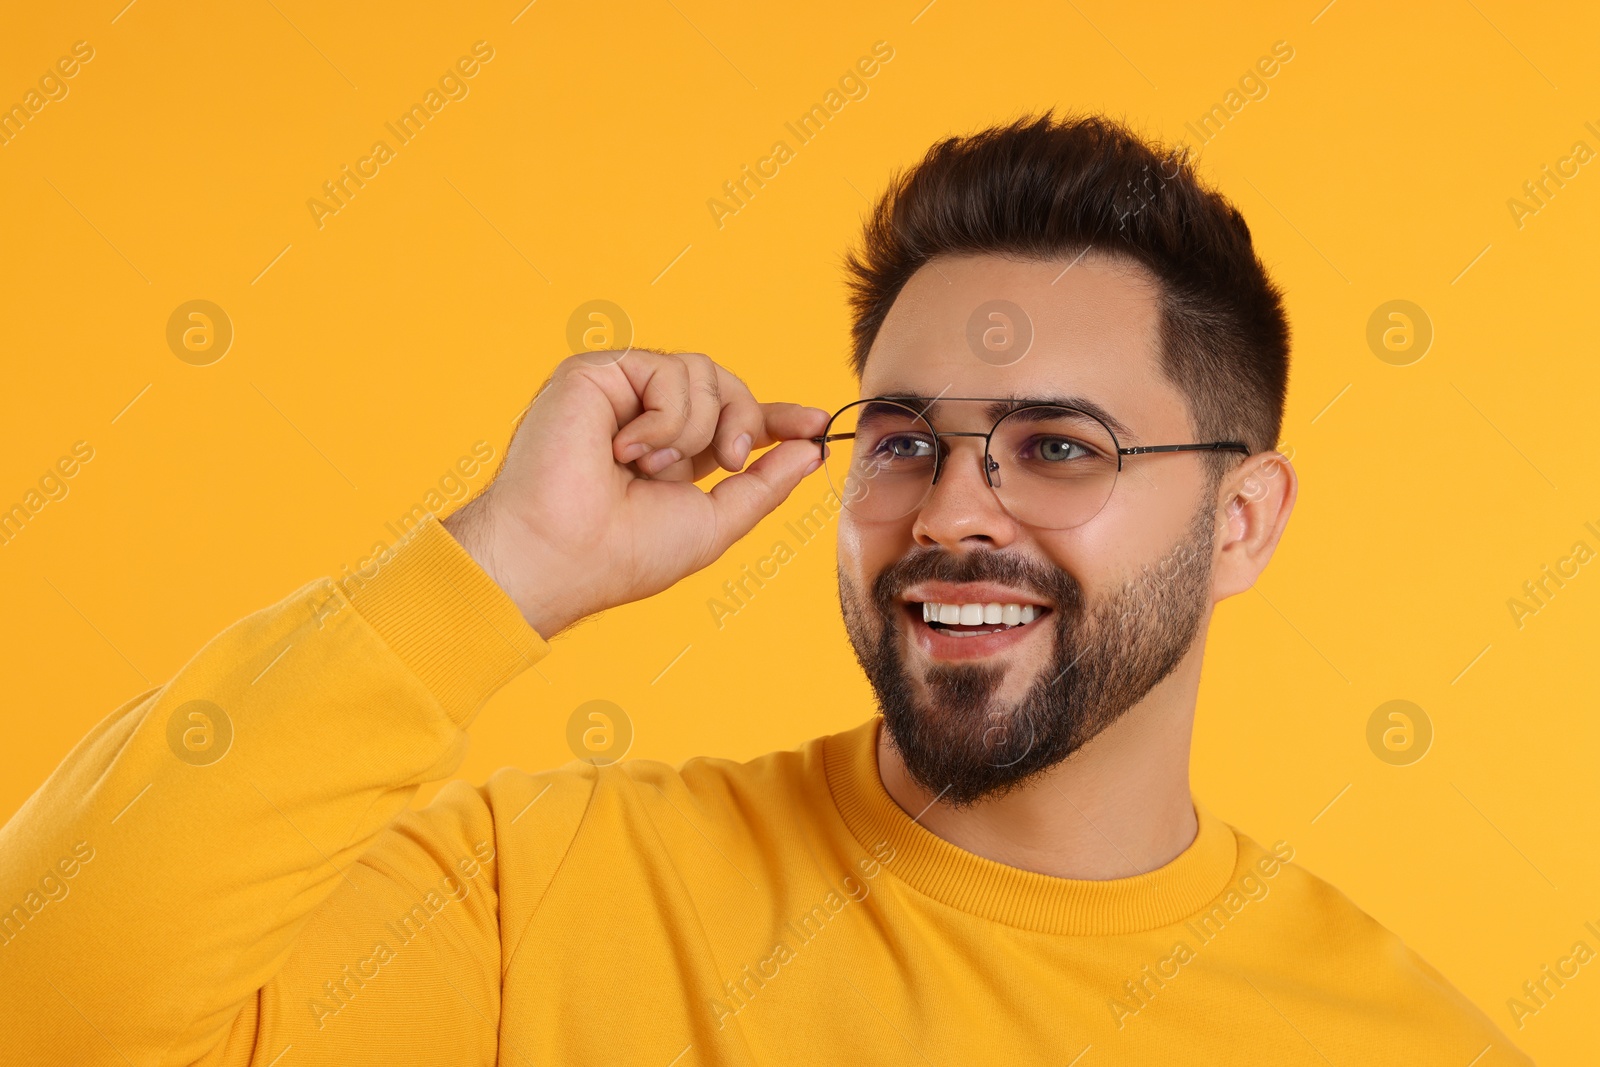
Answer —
447 620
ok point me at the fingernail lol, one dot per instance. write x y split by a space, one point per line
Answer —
813 465
634 451
659 459
741 450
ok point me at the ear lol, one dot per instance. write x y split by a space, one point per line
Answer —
1253 504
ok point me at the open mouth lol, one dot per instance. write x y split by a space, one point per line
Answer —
976 620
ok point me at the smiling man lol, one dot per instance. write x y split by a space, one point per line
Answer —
1073 369
1006 625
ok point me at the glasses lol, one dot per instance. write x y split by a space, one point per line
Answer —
1052 467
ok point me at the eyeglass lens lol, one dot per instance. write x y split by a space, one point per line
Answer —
1051 467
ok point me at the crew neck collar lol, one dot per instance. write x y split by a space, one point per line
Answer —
1011 895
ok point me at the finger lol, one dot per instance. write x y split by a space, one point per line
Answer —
661 381
789 422
688 469
771 423
739 424
700 418
744 499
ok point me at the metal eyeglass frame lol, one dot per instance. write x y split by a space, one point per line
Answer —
990 467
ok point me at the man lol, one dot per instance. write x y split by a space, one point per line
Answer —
1073 370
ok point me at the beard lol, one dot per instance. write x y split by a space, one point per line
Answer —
965 745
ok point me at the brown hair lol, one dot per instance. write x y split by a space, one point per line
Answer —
1047 188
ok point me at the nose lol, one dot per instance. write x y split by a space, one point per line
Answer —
962 510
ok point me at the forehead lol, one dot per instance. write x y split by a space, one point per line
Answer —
991 326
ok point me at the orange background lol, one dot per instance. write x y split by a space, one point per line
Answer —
371 353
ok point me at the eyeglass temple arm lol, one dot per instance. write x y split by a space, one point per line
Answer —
1209 446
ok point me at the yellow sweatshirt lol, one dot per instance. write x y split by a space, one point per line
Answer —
225 871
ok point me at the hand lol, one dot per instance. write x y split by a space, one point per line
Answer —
595 504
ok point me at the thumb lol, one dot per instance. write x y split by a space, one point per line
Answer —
744 499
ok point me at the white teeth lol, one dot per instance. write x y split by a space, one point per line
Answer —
992 614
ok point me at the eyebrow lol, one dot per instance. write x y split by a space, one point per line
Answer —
998 406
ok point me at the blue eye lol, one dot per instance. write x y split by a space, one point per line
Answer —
1059 449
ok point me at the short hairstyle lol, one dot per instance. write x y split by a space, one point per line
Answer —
1046 188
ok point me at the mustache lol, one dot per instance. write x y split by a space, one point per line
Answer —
986 565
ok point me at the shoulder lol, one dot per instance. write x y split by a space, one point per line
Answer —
1347 960
564 798
777 777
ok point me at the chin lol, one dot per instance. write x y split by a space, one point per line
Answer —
977 706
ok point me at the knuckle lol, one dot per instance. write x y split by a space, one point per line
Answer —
676 418
694 433
681 377
708 385
670 384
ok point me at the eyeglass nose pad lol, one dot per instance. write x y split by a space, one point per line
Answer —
991 470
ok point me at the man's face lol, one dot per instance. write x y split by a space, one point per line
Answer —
975 710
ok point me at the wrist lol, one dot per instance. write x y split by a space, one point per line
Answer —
476 531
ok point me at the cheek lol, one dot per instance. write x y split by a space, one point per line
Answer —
1099 557
1146 516
866 549
1080 554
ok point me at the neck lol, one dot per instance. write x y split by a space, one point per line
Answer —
1118 807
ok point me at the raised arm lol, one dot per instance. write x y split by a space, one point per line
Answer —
225 866
160 877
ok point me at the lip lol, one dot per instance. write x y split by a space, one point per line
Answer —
939 646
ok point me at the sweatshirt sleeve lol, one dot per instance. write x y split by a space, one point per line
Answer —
155 885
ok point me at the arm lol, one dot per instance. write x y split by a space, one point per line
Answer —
224 867
157 882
